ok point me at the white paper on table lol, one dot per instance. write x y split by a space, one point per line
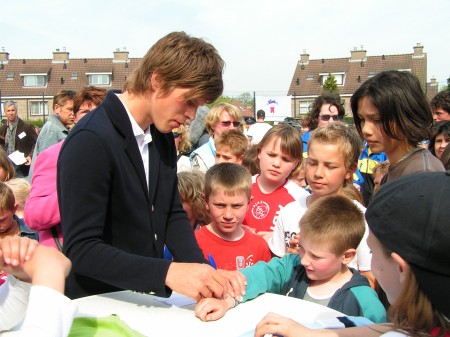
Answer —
17 158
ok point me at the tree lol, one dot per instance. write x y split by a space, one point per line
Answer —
330 85
246 99
221 99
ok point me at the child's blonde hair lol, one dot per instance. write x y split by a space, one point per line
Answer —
21 189
191 185
290 141
334 220
7 200
339 134
230 178
235 140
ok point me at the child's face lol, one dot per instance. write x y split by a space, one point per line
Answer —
188 209
325 169
227 212
373 133
274 164
384 268
320 262
440 144
6 220
300 179
224 155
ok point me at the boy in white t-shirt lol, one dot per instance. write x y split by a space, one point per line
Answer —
333 152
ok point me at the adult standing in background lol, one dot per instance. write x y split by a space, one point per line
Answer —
57 126
17 135
257 130
221 117
117 183
326 108
440 105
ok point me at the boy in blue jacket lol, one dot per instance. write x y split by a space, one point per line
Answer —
331 229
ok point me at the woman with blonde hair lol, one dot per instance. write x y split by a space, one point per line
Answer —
221 117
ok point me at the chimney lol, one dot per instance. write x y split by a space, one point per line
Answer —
60 56
358 55
433 82
120 55
304 58
418 51
4 56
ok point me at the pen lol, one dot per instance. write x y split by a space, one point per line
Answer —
211 261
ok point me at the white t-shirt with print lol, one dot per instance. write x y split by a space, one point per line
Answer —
287 226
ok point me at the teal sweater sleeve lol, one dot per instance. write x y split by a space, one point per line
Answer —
370 305
269 276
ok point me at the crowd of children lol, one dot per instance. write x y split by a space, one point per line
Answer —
286 216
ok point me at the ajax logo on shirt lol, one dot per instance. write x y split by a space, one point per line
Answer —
260 210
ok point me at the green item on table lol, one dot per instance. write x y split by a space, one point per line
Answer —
111 326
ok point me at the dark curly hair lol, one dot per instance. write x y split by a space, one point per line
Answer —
326 98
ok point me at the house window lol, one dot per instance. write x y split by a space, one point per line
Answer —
74 76
34 80
304 107
310 77
10 77
37 108
340 78
99 79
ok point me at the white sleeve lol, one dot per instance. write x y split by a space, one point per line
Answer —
13 302
277 243
49 313
363 253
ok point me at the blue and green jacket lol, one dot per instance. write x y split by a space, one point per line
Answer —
286 276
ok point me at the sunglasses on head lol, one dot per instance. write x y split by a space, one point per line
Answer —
228 123
326 118
175 134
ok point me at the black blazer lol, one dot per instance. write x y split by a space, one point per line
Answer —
114 229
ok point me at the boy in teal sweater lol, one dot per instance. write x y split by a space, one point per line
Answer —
331 229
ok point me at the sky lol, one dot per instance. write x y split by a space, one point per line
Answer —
259 40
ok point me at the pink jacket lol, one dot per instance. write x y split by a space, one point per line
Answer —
41 208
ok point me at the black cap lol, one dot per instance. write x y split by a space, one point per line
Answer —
410 216
249 120
260 114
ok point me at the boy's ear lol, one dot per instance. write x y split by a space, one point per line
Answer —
205 199
351 170
349 255
16 205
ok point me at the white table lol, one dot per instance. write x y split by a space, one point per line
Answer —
156 316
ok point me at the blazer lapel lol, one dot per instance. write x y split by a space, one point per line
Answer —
119 118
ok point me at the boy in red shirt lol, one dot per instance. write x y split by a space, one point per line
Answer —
227 194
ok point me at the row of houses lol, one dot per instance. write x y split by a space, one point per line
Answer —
32 83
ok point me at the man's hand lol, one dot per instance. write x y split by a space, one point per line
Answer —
196 280
237 283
